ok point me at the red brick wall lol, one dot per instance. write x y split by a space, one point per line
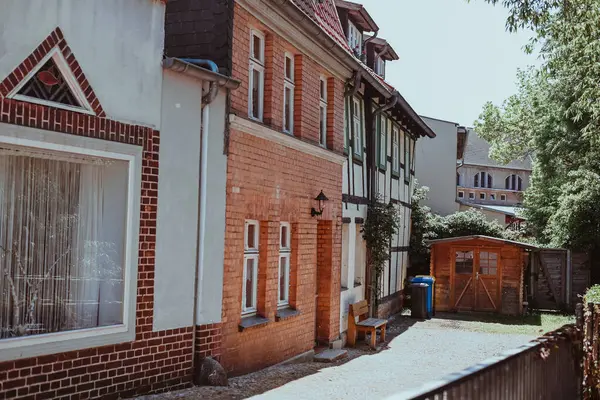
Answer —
208 341
155 360
275 184
306 82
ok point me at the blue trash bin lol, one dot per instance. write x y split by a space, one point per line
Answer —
429 280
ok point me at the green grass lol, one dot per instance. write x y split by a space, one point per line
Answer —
532 324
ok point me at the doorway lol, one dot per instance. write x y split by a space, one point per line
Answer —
476 279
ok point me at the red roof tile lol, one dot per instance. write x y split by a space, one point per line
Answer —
324 13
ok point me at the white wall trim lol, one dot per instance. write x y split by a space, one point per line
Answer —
31 346
284 139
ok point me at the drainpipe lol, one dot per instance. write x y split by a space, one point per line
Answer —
214 88
366 42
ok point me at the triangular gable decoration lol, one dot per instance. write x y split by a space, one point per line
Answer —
47 78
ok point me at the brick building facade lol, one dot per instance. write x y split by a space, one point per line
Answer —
284 148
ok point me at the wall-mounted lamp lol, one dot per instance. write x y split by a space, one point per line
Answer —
321 198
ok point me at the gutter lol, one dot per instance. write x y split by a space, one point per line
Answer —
191 68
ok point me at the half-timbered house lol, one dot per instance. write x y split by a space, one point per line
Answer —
381 131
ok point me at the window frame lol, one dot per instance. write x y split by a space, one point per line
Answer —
288 84
254 254
323 112
256 64
502 197
357 119
407 157
471 195
461 194
382 135
492 196
380 67
516 186
57 342
354 35
395 151
285 251
482 196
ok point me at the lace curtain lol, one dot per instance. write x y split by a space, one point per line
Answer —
60 269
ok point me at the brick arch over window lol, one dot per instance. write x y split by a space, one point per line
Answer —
53 41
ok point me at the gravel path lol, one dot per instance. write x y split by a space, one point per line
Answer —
417 353
421 354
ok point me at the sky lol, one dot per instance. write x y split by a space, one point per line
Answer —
454 55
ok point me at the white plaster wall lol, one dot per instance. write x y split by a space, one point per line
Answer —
212 223
435 166
178 189
118 43
352 293
498 175
191 206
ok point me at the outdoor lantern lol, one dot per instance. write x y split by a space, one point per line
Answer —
321 198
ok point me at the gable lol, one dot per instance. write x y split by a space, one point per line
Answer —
51 76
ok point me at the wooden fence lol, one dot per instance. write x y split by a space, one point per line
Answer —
591 349
548 369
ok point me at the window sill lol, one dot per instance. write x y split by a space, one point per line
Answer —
252 321
396 175
286 313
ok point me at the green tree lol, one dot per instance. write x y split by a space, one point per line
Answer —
555 117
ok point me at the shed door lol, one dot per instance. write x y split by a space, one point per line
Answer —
486 280
464 287
476 279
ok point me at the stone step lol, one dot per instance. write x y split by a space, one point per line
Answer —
331 355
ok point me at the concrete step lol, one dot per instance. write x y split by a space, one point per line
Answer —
331 355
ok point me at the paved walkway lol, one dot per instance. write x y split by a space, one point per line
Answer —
424 352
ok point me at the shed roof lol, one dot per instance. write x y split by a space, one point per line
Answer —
483 237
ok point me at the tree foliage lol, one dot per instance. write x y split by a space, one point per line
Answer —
555 118
382 223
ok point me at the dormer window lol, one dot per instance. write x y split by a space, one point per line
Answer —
380 67
354 39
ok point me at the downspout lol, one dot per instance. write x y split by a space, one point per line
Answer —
212 66
200 225
366 42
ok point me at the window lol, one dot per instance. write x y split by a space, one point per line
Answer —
256 76
346 125
412 155
383 142
472 196
395 151
323 111
513 182
482 180
63 235
481 196
285 249
357 126
380 67
488 263
461 195
354 39
288 94
406 157
502 197
463 262
458 179
492 197
250 285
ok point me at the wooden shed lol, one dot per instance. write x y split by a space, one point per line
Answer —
479 273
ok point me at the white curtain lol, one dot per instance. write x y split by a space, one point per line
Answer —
55 259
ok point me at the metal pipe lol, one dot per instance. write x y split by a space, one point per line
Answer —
195 71
213 89
351 89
